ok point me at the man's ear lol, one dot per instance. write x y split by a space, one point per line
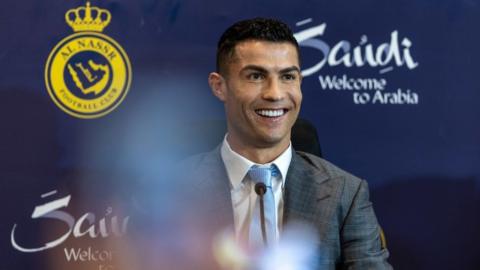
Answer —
218 85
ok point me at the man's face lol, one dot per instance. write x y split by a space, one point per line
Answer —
261 93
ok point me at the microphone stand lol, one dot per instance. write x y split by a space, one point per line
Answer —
260 189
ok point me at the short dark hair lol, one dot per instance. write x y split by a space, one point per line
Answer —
264 29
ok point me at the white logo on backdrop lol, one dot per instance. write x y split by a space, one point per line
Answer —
383 57
85 226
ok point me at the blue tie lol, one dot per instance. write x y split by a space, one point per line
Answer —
263 175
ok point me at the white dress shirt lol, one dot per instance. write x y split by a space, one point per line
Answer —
243 194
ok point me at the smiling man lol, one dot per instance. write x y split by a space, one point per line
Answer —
259 83
258 79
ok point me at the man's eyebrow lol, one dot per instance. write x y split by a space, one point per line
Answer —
255 67
264 70
290 69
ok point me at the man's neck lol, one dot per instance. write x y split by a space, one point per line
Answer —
260 155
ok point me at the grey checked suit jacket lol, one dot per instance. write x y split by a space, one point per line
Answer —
335 202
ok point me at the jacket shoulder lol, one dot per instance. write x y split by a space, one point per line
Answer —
198 161
321 165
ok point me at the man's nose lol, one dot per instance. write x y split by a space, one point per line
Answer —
273 91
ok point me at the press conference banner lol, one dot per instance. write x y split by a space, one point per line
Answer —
100 98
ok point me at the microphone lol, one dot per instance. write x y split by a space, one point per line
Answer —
260 189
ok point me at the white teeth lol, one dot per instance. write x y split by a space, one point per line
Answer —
270 113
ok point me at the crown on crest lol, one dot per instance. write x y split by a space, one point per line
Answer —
87 18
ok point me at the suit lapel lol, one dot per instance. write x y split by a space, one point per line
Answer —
309 194
214 188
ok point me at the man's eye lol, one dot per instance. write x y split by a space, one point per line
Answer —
255 76
289 77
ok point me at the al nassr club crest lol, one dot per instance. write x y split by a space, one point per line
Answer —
88 74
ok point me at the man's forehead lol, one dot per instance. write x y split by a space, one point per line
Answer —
261 51
262 47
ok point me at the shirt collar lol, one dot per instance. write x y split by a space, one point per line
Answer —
237 166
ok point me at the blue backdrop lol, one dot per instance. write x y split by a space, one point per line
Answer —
392 88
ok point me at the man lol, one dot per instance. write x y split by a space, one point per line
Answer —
258 79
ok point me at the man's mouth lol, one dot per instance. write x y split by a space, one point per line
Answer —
271 112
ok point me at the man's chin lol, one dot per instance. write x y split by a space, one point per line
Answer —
272 141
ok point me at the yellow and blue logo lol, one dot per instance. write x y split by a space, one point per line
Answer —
88 74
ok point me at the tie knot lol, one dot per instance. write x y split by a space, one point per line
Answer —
262 174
